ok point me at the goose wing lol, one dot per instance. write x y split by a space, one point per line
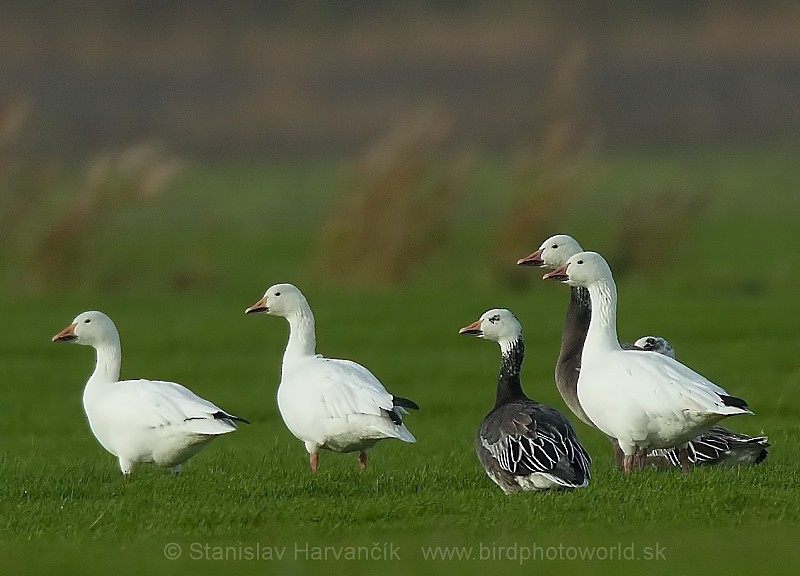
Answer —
158 404
662 383
347 388
527 438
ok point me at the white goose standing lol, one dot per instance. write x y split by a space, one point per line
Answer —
141 420
328 403
718 445
643 399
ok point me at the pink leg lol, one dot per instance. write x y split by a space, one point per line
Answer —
362 460
313 460
627 463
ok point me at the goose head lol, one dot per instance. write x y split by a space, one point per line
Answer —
279 300
656 344
554 252
497 324
582 269
90 328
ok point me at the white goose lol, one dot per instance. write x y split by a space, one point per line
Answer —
643 399
328 403
716 446
141 420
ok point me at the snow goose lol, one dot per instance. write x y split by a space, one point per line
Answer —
643 399
522 444
717 446
141 420
328 403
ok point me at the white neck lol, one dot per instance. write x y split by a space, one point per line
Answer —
602 334
302 339
106 370
507 344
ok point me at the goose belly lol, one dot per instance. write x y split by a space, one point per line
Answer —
677 429
299 409
162 445
357 432
611 411
178 448
307 419
531 483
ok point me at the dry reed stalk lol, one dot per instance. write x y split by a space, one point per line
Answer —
398 211
652 226
549 176
112 180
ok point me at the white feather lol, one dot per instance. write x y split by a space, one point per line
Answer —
141 420
644 399
327 403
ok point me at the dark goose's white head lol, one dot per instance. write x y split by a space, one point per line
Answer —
554 252
497 324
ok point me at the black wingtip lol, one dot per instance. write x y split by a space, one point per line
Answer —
393 416
404 403
733 401
225 416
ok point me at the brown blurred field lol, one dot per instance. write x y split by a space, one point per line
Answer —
260 80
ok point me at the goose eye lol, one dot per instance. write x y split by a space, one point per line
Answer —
580 262
87 321
554 246
277 293
495 318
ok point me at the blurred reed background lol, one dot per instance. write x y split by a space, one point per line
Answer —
414 119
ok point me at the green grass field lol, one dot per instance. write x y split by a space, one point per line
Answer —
176 275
